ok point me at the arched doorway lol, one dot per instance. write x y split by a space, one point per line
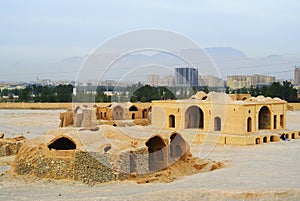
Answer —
62 143
118 113
257 141
133 108
171 121
178 147
157 153
144 113
265 139
264 118
217 124
194 117
249 124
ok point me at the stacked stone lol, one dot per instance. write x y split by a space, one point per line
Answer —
94 167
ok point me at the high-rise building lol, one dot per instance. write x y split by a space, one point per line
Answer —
241 81
157 80
210 81
153 80
297 76
186 76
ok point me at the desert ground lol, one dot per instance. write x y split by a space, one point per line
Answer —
261 172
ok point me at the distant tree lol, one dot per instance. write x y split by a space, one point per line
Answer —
24 95
288 92
227 90
64 93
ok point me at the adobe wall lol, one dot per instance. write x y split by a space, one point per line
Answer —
233 117
209 138
294 106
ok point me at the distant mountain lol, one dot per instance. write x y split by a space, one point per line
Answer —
224 60
224 52
227 60
73 60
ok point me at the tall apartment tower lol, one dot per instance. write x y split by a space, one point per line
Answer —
297 76
186 76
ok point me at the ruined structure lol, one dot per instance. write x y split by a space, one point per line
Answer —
111 113
10 146
98 156
239 120
91 153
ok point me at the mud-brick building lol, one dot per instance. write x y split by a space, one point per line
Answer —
107 113
97 155
236 120
123 111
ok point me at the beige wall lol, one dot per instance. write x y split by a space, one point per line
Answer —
233 116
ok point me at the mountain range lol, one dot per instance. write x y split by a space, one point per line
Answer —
225 61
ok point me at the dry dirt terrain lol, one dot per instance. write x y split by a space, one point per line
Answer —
262 172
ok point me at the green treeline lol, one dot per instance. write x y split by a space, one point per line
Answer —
285 91
34 93
134 93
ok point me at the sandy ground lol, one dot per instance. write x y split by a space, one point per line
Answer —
261 172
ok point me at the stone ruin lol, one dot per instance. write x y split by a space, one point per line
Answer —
10 146
101 155
117 114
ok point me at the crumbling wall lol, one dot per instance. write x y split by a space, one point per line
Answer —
66 118
11 146
89 118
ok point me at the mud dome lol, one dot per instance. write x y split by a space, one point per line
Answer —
103 154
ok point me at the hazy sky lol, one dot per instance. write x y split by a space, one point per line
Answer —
50 30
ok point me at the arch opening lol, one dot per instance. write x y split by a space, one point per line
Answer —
133 109
144 113
265 139
178 147
275 122
171 121
194 117
264 118
157 153
217 124
257 141
249 124
62 143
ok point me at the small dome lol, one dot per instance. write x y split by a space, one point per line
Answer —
200 95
